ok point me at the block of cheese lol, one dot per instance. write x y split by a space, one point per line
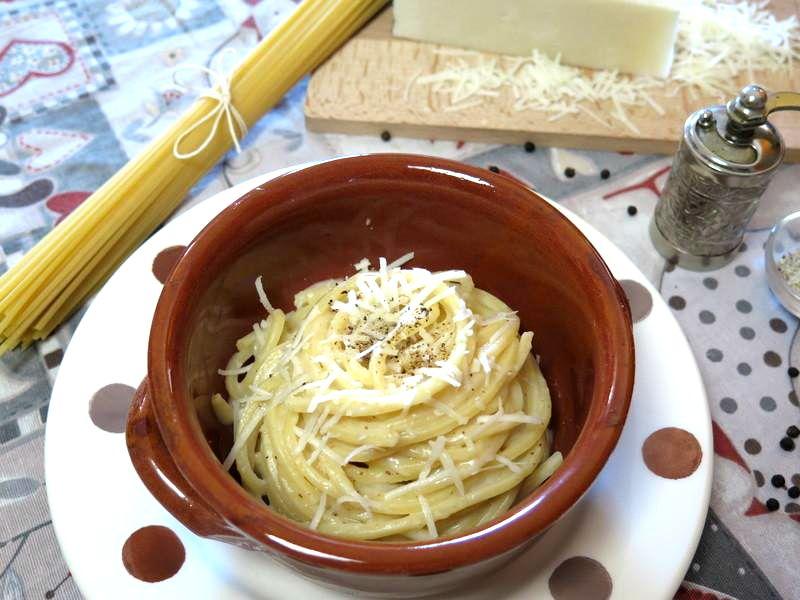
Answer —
632 36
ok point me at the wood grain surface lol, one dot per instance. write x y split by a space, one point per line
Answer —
367 87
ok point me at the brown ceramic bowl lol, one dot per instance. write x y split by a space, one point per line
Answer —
314 224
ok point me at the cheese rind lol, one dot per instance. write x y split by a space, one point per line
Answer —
632 36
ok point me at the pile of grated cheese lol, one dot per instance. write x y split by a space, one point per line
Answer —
716 42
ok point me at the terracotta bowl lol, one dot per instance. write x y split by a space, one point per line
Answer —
314 224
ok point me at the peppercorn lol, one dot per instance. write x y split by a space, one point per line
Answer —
605 174
794 492
530 147
778 481
793 431
773 504
386 136
632 210
569 172
793 372
787 444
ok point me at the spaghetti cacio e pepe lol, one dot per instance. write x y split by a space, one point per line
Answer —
396 404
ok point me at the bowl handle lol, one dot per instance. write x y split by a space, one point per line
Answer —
161 476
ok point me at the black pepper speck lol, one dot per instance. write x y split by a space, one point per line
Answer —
778 481
772 504
793 431
632 210
530 147
794 492
386 136
569 172
605 174
787 444
494 169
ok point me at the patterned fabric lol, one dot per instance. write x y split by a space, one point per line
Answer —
49 57
76 102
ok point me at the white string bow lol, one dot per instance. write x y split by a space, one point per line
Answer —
220 91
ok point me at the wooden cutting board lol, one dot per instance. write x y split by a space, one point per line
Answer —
367 87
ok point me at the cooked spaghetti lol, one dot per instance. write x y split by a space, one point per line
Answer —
397 404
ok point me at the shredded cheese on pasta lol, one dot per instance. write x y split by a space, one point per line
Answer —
359 414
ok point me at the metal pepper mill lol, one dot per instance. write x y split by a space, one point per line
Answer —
725 161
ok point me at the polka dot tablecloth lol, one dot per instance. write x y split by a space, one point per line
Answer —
745 343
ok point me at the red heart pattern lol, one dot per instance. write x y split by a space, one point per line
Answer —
23 60
65 202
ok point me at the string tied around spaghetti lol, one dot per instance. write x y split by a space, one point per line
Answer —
220 90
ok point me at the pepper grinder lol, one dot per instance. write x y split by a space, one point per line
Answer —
725 160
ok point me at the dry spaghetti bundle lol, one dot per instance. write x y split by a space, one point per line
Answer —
74 259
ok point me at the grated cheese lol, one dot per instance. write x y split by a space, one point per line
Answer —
716 42
437 446
262 295
311 428
243 435
445 409
355 452
323 499
452 471
355 499
321 446
512 466
399 262
428 514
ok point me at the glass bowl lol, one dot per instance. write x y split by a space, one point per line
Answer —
783 241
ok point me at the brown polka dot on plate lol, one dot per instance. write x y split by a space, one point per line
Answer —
580 578
165 260
153 553
640 300
672 453
109 406
772 359
778 325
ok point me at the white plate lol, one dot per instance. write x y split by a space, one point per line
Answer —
643 528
